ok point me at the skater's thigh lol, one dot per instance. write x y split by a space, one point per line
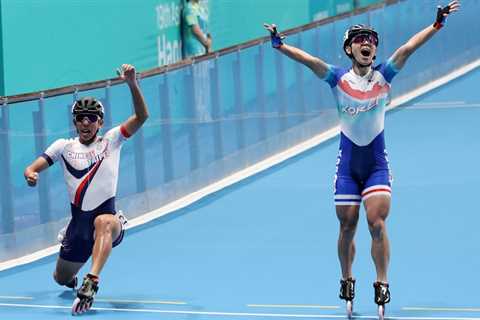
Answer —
347 214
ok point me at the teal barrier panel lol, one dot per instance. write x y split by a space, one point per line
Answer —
68 41
234 22
210 118
321 9
328 8
342 6
366 3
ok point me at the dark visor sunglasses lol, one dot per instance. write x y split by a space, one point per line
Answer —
361 38
91 117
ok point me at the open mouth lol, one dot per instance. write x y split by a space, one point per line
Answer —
365 51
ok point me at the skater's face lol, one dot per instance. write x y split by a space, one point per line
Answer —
87 126
363 48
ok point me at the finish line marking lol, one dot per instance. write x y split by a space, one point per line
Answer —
441 309
308 306
233 314
109 300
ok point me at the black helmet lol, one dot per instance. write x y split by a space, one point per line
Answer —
356 30
88 105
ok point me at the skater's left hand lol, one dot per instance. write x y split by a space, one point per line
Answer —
442 13
127 73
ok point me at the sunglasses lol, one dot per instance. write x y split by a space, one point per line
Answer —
361 38
90 117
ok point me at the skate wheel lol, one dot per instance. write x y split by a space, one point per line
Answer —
88 305
349 309
381 312
75 306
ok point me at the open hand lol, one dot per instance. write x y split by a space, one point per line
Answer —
453 6
442 13
270 27
276 38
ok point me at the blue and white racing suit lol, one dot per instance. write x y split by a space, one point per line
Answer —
362 164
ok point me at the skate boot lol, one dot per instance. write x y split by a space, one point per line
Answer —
347 293
85 295
382 296
123 219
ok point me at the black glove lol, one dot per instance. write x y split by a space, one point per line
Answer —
441 16
275 37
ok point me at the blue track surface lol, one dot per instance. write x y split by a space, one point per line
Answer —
272 238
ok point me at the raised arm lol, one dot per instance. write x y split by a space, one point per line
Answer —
402 54
318 66
141 112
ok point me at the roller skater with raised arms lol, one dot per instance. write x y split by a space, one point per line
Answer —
363 172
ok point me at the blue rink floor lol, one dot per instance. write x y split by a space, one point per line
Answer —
266 247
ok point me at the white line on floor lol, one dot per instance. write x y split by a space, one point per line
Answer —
312 306
439 105
234 314
441 309
16 298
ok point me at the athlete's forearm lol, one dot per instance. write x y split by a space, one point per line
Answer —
38 165
419 39
402 54
141 112
314 63
139 105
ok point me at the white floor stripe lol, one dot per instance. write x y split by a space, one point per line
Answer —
413 107
308 306
233 314
256 168
436 103
441 309
434 84
29 258
141 301
16 298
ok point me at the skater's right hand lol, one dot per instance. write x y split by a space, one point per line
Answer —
31 177
275 37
